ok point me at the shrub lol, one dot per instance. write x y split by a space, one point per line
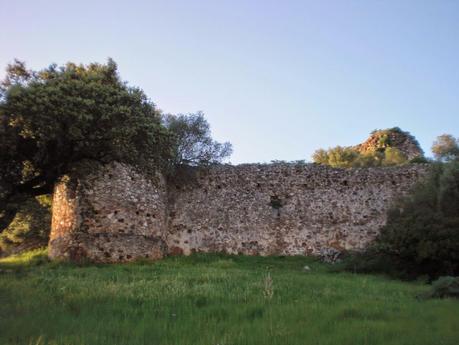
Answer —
421 236
385 147
393 156
30 227
444 287
446 148
419 160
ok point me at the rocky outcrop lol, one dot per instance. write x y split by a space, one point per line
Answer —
393 137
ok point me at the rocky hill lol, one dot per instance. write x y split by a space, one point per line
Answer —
379 140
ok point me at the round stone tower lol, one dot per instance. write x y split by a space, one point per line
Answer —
108 213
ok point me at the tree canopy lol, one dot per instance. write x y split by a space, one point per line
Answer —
446 148
54 117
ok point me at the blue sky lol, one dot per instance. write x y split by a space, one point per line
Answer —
278 79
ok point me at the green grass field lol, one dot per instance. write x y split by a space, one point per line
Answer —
214 299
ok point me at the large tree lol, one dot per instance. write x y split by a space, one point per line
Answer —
52 118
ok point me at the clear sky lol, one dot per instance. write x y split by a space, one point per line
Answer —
278 79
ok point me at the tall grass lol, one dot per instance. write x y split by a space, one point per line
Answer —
213 299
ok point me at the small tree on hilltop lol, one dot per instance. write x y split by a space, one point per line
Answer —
446 148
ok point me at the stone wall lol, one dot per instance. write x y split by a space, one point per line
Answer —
108 214
115 214
284 209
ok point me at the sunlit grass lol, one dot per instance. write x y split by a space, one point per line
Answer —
31 258
213 299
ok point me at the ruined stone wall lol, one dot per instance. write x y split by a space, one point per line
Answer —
108 214
284 209
115 214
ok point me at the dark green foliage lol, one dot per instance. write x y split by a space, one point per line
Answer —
421 236
52 118
57 116
420 160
